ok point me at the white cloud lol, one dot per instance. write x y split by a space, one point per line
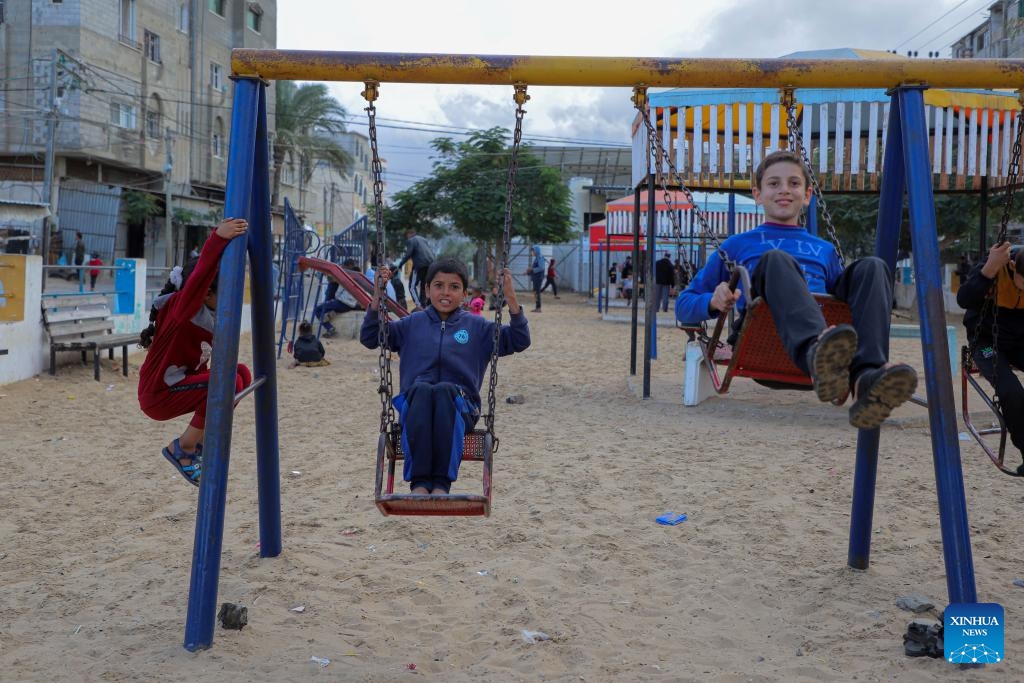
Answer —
685 28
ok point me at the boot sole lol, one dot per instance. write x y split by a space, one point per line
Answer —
831 365
894 388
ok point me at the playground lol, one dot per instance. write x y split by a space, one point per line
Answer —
754 585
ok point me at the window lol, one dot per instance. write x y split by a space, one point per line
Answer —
183 17
122 115
981 41
217 77
126 30
217 7
217 139
288 172
254 17
152 46
154 118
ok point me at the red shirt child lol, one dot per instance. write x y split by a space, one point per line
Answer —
174 379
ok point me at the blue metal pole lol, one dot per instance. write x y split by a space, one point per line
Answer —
956 543
732 214
261 258
202 597
894 185
650 309
865 474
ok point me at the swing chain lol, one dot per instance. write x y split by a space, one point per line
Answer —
640 100
1012 181
387 410
796 145
520 97
658 156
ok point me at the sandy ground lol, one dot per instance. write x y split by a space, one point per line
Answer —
96 536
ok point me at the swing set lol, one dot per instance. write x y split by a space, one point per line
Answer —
247 195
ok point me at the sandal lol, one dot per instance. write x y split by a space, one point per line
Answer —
829 362
879 391
191 472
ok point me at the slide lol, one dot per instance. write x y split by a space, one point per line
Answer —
354 282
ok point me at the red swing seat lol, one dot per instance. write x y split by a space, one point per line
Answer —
477 445
758 353
969 374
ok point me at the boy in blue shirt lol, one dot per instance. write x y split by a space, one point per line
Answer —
787 264
443 353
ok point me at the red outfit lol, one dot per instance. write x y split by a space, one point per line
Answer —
174 378
95 272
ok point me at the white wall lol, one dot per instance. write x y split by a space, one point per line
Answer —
23 340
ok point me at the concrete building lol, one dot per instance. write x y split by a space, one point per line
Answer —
136 98
332 201
1001 35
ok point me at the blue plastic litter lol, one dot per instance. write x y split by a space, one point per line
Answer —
671 518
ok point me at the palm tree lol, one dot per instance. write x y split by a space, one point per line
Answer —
306 119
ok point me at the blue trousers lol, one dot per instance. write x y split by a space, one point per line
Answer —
434 419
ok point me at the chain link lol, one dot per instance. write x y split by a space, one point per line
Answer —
387 409
991 303
520 98
796 145
656 155
640 100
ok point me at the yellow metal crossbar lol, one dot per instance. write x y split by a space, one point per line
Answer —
396 67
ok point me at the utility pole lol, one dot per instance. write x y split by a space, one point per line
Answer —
51 135
168 213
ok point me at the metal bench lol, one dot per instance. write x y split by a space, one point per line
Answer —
83 323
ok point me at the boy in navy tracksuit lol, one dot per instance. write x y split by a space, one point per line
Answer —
786 265
443 353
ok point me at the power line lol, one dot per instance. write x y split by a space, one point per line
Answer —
967 18
946 14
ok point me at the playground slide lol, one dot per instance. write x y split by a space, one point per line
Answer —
355 283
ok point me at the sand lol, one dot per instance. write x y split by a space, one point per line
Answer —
96 536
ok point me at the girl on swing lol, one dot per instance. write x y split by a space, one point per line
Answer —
787 264
1000 280
443 353
174 378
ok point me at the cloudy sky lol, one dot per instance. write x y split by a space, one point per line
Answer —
415 114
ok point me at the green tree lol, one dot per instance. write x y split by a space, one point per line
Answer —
957 220
466 192
306 117
139 206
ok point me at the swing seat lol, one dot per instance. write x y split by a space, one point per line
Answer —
477 445
758 353
969 374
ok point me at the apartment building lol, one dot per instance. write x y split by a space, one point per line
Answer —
1001 35
136 98
332 201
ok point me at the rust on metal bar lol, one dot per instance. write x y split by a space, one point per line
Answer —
396 67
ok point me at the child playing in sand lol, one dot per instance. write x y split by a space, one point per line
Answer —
443 353
786 264
1000 282
307 349
174 378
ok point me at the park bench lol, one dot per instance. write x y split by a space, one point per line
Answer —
83 323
